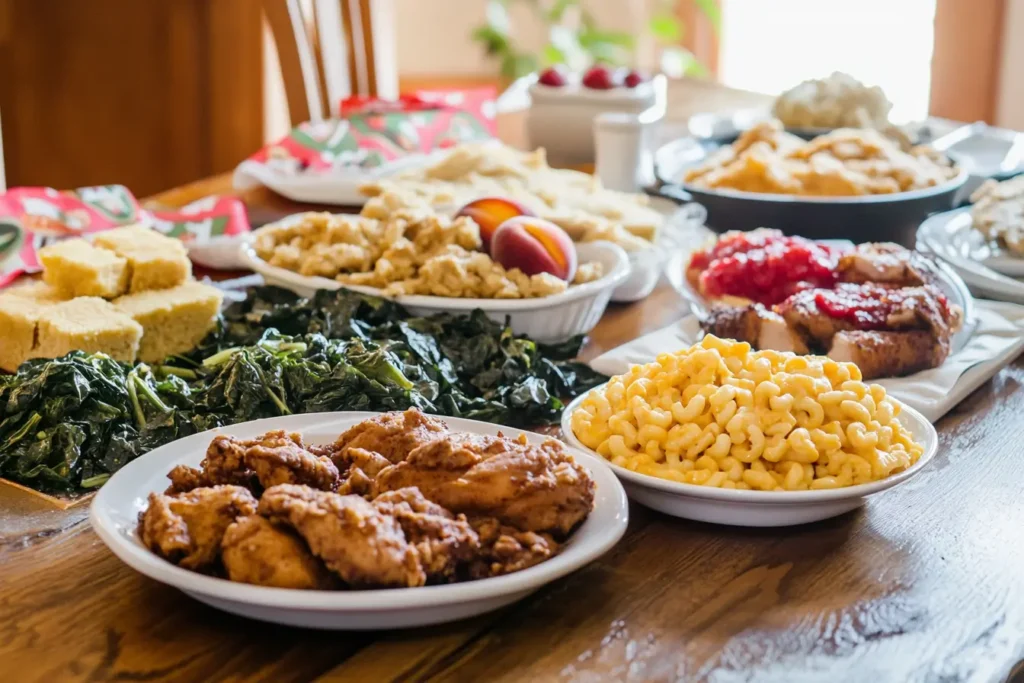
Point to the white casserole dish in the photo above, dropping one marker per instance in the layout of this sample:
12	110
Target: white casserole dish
545	319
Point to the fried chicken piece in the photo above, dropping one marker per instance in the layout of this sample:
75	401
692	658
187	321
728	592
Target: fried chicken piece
890	354
391	435
505	549
223	465
754	324
443	540
277	457
187	528
281	458
257	551
364	546
534	488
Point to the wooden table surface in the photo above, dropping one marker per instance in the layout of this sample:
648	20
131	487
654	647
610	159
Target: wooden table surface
925	583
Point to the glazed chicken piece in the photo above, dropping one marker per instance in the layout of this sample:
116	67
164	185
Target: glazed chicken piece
886	263
505	549
188	528
391	435
364	546
803	316
257	551
276	457
443	541
756	325
889	354
534	488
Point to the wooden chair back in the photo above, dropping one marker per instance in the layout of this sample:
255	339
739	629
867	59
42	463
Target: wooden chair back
3	179
331	49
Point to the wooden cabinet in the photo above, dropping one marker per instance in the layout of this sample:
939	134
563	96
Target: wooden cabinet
148	93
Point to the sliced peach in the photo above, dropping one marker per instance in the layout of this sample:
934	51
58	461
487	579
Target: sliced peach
534	245
490	212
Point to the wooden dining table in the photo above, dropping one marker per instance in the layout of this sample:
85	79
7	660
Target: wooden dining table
923	583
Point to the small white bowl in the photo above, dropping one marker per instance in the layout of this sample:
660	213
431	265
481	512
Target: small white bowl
114	516
561	119
546	319
757	508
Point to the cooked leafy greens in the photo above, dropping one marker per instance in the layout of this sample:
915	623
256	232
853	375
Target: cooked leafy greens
67	424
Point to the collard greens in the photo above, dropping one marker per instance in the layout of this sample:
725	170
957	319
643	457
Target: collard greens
69	423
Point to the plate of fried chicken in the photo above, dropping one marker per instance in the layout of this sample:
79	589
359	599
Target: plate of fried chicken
361	521
891	311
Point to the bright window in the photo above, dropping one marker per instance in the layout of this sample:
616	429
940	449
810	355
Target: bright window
769	46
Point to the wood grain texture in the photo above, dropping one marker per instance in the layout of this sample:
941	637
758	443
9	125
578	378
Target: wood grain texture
923	584
147	93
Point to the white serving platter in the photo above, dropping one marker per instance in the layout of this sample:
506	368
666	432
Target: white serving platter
115	509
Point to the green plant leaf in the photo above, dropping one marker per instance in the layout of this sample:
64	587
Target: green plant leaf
666	28
558	9
552	55
588	37
712	11
494	43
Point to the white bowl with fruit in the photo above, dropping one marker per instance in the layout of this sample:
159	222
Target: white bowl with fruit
531	245
564	104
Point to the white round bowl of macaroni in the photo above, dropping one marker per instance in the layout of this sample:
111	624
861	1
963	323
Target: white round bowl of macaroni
838	480
545	319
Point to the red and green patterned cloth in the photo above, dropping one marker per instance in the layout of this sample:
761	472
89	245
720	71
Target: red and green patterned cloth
371	133
32	217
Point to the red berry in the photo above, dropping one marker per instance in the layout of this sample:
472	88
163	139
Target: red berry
553	76
600	77
633	79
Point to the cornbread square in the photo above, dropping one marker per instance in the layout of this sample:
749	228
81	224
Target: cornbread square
18	319
77	268
36	290
173	320
87	324
156	261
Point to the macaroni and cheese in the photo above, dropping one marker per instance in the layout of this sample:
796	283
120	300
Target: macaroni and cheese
411	250
718	414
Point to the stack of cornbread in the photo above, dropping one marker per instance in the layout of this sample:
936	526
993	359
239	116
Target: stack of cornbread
128	292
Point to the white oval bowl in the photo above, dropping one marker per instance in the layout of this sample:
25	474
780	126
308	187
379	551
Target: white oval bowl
546	319
952	285
115	509
757	508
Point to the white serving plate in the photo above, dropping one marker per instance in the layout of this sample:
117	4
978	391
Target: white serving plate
952	286
952	232
757	508
114	516
546	319
334	188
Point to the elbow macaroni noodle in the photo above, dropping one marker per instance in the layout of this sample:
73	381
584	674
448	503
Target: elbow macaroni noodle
717	414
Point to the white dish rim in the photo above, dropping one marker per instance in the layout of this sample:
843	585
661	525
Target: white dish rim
765	497
141	559
614	277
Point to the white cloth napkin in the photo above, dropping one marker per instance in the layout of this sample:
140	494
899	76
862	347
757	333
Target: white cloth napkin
997	340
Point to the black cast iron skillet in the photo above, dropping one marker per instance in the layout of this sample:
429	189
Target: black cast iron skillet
868	218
